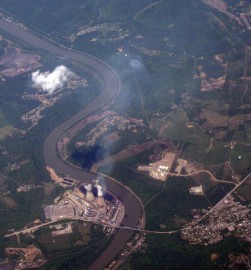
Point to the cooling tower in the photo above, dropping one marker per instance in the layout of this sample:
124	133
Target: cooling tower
100	200
89	194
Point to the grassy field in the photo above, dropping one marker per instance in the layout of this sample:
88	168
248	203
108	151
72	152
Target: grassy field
170	252
240	158
8	202
218	154
173	205
142	185
80	257
3	121
179	128
9	131
244	192
167	42
126	172
51	243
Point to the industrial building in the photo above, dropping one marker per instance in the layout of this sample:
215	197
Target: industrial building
160	169
89	202
198	190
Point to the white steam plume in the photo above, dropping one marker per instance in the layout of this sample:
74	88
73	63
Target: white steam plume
136	63
49	82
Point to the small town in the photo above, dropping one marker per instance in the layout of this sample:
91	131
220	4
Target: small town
125	133
28	187
48	100
109	122
34	115
230	218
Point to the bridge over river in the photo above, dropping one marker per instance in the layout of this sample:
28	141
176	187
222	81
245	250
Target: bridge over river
110	84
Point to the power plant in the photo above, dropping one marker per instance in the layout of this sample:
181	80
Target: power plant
87	201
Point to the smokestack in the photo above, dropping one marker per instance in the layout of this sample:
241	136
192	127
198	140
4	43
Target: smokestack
89	194
100	200
100	191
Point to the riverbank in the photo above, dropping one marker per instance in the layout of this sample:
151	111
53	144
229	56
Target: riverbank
110	84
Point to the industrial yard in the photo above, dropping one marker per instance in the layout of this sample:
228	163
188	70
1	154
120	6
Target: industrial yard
88	202
160	115
159	170
31	256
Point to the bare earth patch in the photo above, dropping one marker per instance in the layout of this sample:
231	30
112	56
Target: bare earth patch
15	62
222	7
216	120
212	84
9	131
8	202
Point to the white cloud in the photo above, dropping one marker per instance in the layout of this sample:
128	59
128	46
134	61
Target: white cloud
50	81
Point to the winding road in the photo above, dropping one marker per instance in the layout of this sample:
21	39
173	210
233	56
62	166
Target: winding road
110	84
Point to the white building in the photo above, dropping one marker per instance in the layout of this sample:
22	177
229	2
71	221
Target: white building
198	190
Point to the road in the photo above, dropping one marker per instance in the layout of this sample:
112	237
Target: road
224	198
72	218
136	229
31	229
110	85
203	171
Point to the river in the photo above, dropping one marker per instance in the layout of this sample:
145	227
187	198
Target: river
110	84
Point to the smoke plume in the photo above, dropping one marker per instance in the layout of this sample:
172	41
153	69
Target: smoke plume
136	64
50	81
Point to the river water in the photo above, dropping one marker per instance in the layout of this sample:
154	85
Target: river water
110	84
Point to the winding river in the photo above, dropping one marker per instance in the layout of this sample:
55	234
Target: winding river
110	84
